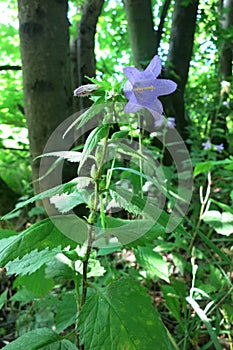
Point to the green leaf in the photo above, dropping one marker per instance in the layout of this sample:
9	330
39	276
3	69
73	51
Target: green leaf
38	236
36	282
23	296
41	338
90	113
67	318
123	199
121	317
71	156
93	138
31	261
67	187
153	263
66	201
206	166
221	222
132	227
129	151
60	271
3	298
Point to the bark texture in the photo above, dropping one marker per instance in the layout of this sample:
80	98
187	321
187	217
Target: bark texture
227	46
44	41
86	62
219	129
142	36
179	57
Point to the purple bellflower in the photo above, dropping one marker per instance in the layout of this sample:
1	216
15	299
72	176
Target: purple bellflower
207	145
171	123
219	148
142	88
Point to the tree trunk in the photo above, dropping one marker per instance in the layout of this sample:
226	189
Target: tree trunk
219	124
8	198
44	41
179	57
86	63
227	46
142	36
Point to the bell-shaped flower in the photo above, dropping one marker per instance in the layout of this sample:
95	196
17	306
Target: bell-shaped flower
142	88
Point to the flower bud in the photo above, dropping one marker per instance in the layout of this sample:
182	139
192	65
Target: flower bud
85	90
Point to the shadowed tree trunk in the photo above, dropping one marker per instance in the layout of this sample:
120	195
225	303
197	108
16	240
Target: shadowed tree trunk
179	57
8	198
226	55
44	41
85	46
142	36
219	124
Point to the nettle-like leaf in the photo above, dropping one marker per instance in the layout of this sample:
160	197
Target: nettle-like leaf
148	207
39	236
36	282
31	261
41	339
221	222
141	232
93	138
124	198
71	156
67	318
63	188
121	317
153	263
66	201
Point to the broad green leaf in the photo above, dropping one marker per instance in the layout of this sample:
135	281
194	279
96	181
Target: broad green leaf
66	312
67	187
206	166
132	229
38	236
66	201
7	233
93	138
36	282
40	339
123	199
128	231
23	296
121	317
153	263
73	227
60	271
147	206
31	262
221	222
